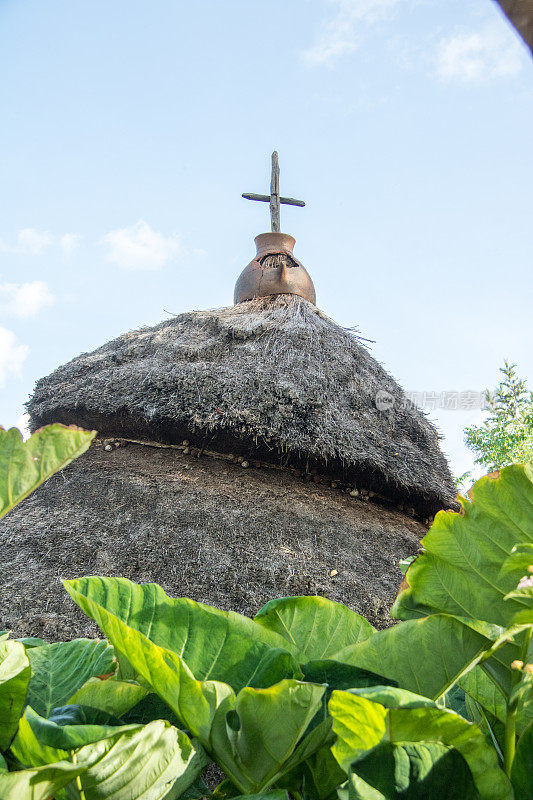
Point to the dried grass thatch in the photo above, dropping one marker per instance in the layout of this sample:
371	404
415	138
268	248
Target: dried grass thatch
201	527
272	379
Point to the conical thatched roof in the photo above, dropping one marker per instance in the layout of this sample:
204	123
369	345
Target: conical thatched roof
272	379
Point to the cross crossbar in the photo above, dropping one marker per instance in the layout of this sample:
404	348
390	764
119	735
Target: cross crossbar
274	197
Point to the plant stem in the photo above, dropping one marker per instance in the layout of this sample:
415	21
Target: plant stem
78	777
512	705
509	742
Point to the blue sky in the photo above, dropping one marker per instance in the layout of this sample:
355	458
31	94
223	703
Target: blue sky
130	129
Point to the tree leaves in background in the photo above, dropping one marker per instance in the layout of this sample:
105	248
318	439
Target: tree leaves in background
60	669
25	465
14	679
315	627
216	645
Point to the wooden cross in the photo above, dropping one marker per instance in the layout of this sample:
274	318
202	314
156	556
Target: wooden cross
273	198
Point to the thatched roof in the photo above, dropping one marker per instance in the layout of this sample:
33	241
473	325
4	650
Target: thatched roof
272	379
203	528
520	13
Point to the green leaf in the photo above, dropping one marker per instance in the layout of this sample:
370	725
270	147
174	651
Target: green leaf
420	771
274	795
317	778
425	656
152	762
194	702
478	685
39	783
216	645
520	559
315	628
361	725
27	748
31	641
113	696
522	769
14	678
72	727
149	708
459	572
60	669
25	465
393	697
341	676
256	740
405	563
122	765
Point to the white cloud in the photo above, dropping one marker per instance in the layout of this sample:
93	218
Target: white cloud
23	424
341	34
24	300
493	51
33	242
141	248
69	242
12	354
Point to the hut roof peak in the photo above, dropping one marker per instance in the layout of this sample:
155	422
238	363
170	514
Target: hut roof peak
274	270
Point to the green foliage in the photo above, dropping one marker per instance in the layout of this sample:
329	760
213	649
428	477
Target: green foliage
14	677
25	465
473	568
305	701
522	771
58	670
365	719
38	783
506	436
314	627
215	645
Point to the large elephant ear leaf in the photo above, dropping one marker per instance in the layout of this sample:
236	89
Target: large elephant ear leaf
425	656
361	725
316	628
419	771
112	696
39	783
14	679
216	645
194	702
460	571
25	465
152	761
60	669
259	737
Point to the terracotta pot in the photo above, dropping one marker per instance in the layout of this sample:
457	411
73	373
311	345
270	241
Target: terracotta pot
274	270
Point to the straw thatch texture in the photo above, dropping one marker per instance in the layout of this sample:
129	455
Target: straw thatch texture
202	528
272	379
